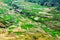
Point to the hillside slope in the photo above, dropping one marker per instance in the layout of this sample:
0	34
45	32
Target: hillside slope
28	21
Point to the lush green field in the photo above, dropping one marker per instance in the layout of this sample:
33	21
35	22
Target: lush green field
29	21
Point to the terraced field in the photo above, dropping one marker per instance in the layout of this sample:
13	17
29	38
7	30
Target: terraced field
28	21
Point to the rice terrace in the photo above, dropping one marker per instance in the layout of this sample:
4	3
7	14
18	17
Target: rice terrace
29	19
